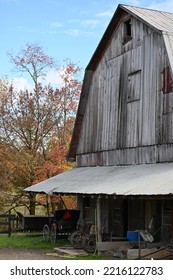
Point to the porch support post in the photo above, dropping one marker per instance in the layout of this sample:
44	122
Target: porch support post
99	230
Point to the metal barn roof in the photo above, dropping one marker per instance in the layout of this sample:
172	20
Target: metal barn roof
162	21
146	179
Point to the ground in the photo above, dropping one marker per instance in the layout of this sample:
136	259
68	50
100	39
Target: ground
26	254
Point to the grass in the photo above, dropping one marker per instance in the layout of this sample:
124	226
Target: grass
35	241
28	241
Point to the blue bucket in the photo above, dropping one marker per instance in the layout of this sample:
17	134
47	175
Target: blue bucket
133	236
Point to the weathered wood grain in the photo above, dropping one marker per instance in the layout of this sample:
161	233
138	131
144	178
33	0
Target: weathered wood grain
127	116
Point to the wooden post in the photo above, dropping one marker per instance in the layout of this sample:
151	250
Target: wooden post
98	219
32	203
9	224
47	204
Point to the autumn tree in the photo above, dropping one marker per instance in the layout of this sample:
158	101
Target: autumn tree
33	61
4	86
37	125
69	94
5	183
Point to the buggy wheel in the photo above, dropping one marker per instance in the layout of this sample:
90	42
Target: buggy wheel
46	233
53	233
76	239
89	243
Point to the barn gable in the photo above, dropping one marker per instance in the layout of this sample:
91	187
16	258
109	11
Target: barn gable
123	107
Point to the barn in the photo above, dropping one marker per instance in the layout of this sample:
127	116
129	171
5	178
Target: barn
123	135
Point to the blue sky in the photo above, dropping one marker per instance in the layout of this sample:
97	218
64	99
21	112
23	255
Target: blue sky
64	28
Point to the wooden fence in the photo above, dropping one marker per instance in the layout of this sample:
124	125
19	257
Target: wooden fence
8	223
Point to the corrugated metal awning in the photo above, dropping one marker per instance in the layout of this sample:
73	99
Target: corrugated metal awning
146	179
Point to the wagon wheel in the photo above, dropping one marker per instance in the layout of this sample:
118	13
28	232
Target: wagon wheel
53	233
76	239
46	233
89	243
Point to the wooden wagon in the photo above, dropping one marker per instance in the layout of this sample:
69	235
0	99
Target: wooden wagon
32	222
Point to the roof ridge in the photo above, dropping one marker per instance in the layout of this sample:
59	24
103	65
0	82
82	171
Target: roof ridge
149	9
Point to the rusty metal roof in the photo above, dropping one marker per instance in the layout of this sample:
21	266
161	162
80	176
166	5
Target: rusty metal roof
145	179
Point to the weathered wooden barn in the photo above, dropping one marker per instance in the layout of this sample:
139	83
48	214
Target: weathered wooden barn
123	134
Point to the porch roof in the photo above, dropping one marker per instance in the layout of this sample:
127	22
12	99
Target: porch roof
146	179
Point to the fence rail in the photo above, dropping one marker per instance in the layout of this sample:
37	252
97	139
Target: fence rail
8	223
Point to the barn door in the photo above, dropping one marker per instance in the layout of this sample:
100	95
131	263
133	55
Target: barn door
133	106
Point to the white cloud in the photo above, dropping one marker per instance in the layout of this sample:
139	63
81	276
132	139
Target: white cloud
56	24
106	14
92	23
53	78
87	23
72	32
136	3
22	84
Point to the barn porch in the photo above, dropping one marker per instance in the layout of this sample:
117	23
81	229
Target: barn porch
119	199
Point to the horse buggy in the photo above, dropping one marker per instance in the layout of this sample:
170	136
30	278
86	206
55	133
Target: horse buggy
62	224
65	225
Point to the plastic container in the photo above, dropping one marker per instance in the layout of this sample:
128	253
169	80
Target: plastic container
133	236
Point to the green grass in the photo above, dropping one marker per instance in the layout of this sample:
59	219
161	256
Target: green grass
35	241
28	241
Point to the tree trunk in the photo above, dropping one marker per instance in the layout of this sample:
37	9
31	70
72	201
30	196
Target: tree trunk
32	199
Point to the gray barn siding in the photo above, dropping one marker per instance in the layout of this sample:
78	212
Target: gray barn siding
127	115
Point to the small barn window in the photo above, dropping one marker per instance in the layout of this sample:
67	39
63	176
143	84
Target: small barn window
127	30
134	86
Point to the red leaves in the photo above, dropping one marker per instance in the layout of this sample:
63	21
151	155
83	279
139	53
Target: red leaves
55	162
32	60
22	60
38	125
